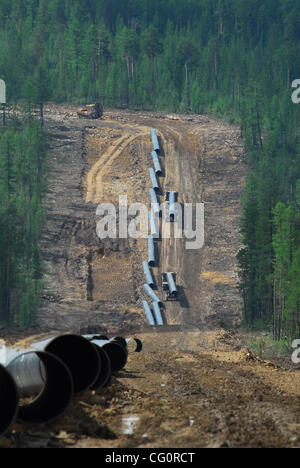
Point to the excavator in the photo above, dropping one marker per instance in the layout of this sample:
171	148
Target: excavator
91	111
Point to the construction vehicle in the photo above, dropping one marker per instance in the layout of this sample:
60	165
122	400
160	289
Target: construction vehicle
91	111
169	286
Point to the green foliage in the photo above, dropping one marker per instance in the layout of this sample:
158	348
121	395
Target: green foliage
22	173
232	57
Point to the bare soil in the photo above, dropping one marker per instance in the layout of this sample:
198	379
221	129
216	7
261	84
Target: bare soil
195	384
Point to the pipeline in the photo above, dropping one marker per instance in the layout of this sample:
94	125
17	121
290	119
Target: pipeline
9	400
138	344
157	313
152	294
151	251
156	163
153	221
154	203
153	178
123	342
148	274
117	354
172	285
155	142
79	355
148	313
43	378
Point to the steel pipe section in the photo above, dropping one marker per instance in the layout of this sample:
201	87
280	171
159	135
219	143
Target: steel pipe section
157	313
105	371
155	207
148	313
148	274
172	285
9	400
155	142
156	163
153	179
152	294
117	354
154	228
138	344
151	251
43	378
79	355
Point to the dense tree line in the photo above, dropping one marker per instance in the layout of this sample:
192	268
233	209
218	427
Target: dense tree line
22	173
236	58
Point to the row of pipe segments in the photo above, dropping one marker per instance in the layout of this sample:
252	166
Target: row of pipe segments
37	384
153	314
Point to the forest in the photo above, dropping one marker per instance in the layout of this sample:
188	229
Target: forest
236	59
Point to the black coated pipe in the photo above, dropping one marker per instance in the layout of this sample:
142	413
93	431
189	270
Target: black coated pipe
105	372
45	379
79	355
9	400
117	354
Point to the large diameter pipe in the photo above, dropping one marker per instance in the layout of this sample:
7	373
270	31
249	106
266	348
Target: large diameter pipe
172	285
157	313
43	378
152	294
148	274
155	142
157	166
153	179
9	400
155	207
148	313
79	355
138	344
154	228
105	371
151	251
117	354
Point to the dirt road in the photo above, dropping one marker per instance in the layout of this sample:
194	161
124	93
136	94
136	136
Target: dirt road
194	384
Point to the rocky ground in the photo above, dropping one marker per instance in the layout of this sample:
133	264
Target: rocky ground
195	384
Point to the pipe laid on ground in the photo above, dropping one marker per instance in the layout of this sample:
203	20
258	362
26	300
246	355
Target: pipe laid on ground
148	313
117	354
124	342
43	378
105	371
152	294
148	274
172	285
9	400
153	179
157	313
154	228
138	342
155	207
151	251
155	142
79	355
156	163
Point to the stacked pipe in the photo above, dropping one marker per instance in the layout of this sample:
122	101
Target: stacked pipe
37	384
